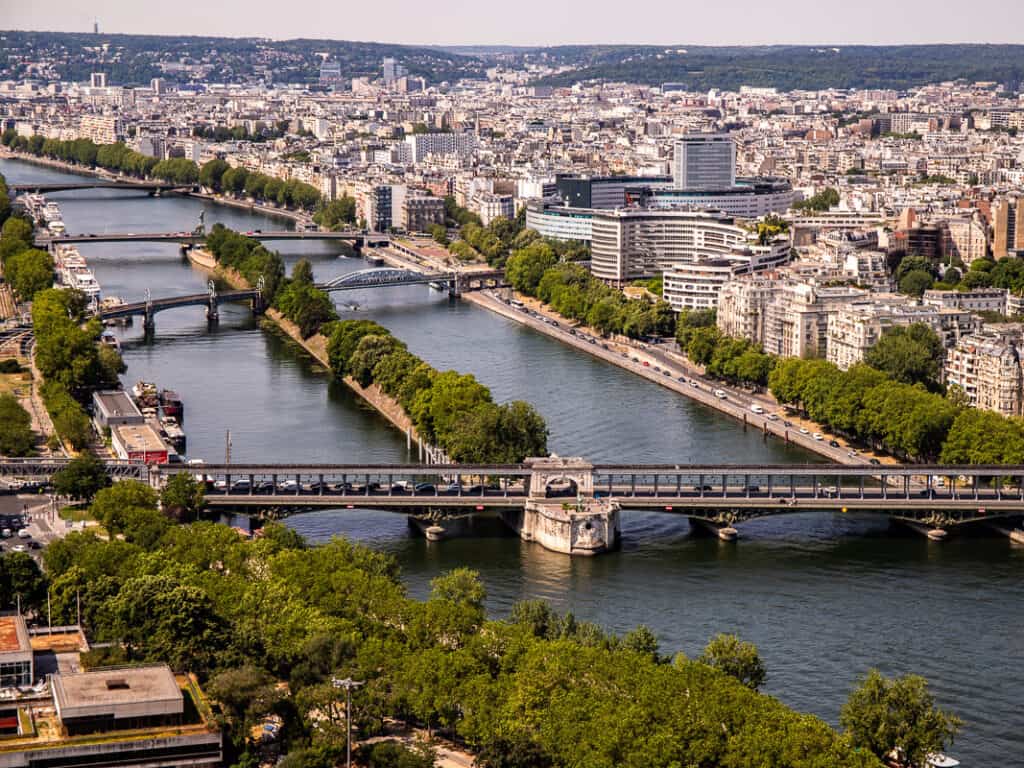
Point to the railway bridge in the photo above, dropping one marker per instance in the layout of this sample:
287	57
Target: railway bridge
455	283
570	505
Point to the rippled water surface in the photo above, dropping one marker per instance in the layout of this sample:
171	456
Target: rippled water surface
825	597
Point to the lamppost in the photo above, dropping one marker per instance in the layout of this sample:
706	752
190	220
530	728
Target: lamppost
348	684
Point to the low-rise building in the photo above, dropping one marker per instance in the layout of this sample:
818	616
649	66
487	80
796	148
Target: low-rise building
976	299
16	668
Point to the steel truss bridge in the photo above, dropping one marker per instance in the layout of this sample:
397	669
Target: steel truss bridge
944	495
374	277
148	187
198	238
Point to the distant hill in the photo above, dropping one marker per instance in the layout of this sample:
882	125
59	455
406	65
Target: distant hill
135	59
790	67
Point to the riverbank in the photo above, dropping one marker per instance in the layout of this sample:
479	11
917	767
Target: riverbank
297	217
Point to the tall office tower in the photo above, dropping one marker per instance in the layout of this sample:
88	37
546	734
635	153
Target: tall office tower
704	161
1008	226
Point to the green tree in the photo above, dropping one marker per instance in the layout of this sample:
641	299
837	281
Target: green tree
736	658
82	478
29	272
212	173
883	715
183	497
21	579
916	282
911	354
16	437
527	266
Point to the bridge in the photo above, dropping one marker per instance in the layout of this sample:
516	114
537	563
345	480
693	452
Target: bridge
375	277
569	505
149	187
43	240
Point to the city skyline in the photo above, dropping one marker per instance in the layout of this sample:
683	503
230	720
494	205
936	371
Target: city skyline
790	22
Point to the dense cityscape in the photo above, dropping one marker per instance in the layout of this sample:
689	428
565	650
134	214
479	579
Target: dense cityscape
567	406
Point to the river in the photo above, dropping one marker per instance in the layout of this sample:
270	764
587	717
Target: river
825	597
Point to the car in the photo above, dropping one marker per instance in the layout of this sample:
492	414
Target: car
876	462
818	436
24	534
646	364
702	487
757	408
657	369
681	379
241	486
773	417
694	383
604	346
18	548
592	341
804	431
425	488
319	486
753	489
787	423
635	359
34	545
572	331
720	394
287	486
667	373
264	486
401	486
834	443
453	488
6	533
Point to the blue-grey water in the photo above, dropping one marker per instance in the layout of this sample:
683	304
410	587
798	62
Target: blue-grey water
825	597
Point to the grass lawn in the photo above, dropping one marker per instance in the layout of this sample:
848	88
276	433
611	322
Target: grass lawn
75	513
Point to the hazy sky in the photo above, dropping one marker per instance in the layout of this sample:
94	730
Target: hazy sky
542	22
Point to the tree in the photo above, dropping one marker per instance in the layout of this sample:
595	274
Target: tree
369	352
392	754
246	694
525	267
914	263
916	282
212	173
183	497
111	503
16	438
911	354
21	579
736	658
302	272
883	715
81	478
29	272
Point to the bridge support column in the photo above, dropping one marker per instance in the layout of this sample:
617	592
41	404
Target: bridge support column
148	324
582	526
212	313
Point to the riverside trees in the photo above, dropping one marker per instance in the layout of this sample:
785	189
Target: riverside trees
538	689
448	409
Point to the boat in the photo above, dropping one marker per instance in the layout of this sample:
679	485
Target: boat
144	393
1017	535
939	760
728	533
937	534
171	404
173	432
110	340
73	272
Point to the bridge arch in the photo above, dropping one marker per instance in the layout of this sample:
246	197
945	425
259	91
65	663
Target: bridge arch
375	277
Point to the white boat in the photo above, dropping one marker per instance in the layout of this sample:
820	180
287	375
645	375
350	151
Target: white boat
939	760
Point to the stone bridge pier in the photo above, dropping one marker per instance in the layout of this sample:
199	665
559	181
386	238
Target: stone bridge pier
561	512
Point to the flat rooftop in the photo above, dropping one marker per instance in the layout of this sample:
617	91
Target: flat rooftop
116	404
14	635
139	437
152	688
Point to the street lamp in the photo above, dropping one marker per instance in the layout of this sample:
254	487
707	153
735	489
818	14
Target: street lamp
348	684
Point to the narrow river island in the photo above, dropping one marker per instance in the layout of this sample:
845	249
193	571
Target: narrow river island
825	597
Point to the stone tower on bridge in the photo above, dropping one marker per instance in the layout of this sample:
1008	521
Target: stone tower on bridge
561	511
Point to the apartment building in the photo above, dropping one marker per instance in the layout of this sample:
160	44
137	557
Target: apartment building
977	300
856	327
1008	227
797	317
102	129
422	145
490	206
987	367
420	212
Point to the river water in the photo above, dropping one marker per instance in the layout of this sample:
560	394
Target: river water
825	597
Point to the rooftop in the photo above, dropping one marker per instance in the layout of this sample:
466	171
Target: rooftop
117	687
14	635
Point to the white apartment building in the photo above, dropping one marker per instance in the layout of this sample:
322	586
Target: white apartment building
987	367
968	238
102	129
978	299
857	327
490	206
422	145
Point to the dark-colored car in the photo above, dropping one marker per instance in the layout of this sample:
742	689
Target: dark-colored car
702	487
834	443
876	462
425	488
